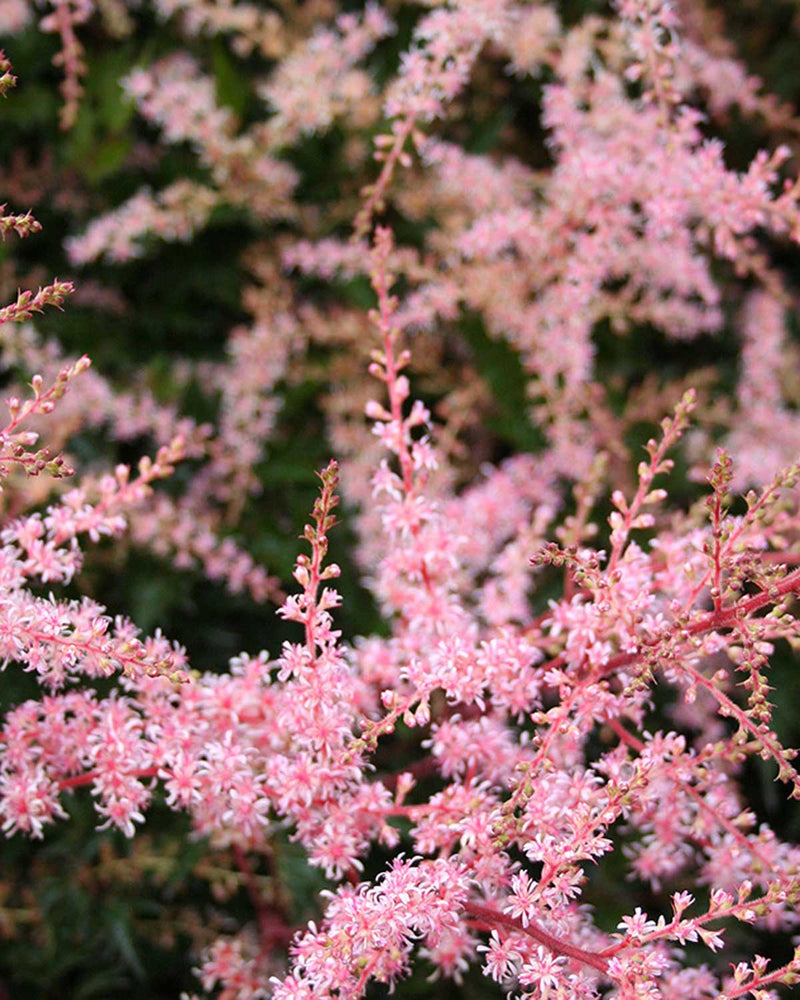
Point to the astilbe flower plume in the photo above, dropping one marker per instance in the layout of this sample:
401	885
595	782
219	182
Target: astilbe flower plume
633	616
553	689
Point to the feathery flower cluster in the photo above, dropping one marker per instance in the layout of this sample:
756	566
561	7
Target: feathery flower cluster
567	684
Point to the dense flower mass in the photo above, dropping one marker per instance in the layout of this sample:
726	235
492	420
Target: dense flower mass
570	693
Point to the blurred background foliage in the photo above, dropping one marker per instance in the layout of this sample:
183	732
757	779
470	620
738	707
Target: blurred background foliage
90	915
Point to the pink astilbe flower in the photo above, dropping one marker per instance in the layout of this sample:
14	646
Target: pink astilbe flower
28	303
22	225
62	20
367	936
174	214
769	437
185	529
177	97
552	690
15	443
250	26
15	16
432	72
238	966
319	82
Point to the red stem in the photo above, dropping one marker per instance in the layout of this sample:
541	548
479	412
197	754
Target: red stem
491	918
636	744
86	779
713	620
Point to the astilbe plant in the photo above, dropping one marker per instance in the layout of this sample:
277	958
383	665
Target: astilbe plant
565	690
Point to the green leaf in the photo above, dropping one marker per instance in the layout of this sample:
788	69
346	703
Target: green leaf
499	364
120	934
231	86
